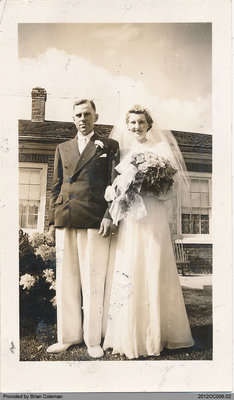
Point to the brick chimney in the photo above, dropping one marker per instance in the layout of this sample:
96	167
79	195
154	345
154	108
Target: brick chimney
39	97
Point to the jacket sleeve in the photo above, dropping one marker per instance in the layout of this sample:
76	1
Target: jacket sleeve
56	185
113	161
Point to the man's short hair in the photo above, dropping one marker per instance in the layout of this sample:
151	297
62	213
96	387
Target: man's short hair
82	101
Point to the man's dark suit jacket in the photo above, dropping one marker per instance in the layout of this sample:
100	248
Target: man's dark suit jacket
80	181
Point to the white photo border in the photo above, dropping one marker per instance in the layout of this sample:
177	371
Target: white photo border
106	376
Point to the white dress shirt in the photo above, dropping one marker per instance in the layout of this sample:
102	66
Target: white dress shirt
82	140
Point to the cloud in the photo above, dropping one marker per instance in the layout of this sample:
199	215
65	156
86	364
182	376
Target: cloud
117	33
193	116
66	76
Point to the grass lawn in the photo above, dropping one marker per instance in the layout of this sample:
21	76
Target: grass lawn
35	339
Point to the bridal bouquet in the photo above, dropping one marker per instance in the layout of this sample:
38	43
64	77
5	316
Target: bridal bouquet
142	173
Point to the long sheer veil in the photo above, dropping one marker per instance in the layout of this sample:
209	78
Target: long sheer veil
158	138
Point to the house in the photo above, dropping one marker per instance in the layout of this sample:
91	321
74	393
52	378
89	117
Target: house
37	141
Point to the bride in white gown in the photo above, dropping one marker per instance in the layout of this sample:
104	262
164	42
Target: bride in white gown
145	306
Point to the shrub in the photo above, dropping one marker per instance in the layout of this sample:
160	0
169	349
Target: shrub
37	277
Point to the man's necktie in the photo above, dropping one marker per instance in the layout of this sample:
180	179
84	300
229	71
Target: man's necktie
82	143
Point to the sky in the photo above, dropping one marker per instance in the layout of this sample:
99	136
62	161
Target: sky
163	66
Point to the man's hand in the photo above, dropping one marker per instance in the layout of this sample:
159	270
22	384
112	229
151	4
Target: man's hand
51	233
106	227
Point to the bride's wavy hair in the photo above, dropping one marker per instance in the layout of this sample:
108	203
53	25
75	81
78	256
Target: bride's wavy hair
137	109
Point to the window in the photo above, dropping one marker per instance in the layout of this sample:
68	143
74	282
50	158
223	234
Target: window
196	206
32	191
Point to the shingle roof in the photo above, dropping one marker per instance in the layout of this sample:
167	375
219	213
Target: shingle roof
59	131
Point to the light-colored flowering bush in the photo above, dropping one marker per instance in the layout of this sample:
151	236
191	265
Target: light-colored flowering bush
46	252
27	281
54	301
37	239
43	246
37	278
49	276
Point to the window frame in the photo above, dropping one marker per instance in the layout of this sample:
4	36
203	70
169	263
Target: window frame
199	238
43	167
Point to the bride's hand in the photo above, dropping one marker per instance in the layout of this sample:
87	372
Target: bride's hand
114	229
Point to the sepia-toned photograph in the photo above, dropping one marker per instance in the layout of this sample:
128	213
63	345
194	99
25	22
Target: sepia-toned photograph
116	223
115	187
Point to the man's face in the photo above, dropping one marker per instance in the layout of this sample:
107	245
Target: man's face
84	118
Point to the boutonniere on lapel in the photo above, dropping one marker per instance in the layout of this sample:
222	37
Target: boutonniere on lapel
99	144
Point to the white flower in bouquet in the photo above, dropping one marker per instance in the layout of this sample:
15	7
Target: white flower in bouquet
143	166
140	158
161	162
27	281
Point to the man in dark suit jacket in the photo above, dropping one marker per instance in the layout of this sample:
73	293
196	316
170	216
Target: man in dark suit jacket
83	168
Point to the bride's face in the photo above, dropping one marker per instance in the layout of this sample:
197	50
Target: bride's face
138	126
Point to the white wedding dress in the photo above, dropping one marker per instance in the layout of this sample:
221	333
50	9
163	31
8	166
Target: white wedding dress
145	309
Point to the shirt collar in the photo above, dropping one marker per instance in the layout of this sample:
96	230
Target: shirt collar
88	137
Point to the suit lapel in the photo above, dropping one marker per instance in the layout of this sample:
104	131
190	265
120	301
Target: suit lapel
73	151
87	154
